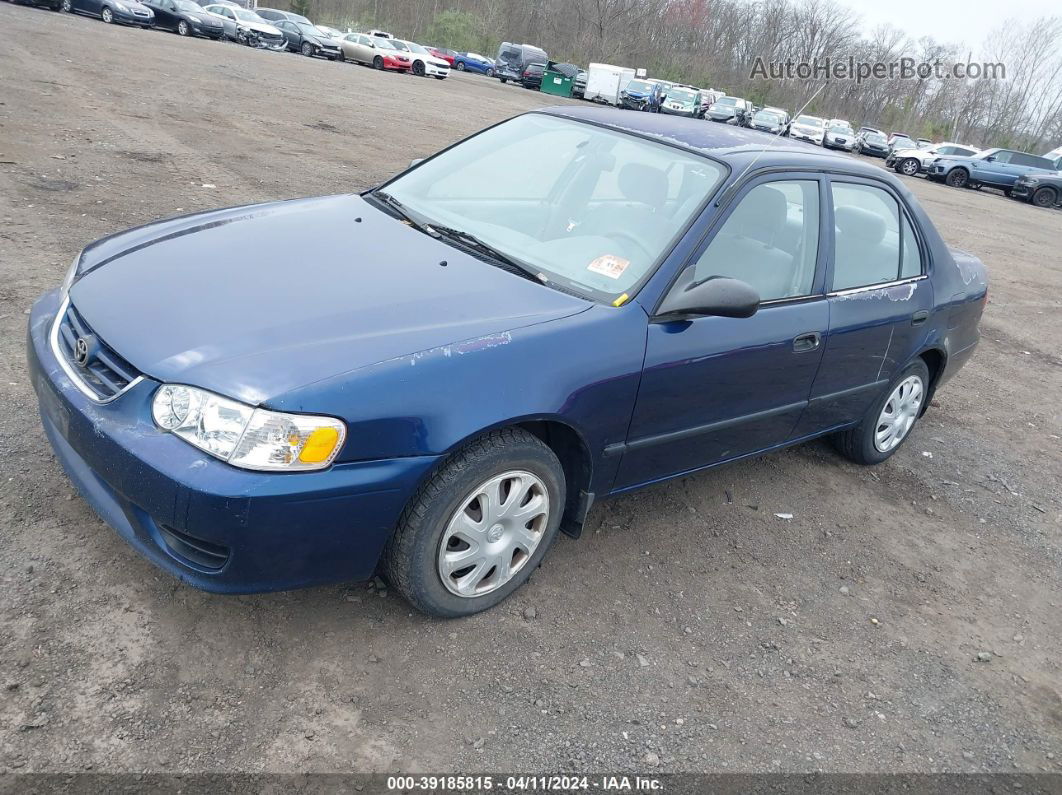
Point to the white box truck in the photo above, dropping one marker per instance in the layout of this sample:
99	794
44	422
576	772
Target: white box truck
604	82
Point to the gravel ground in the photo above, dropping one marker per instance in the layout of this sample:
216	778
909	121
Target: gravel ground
905	619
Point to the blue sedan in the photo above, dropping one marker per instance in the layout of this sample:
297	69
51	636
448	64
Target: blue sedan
130	12
472	62
459	366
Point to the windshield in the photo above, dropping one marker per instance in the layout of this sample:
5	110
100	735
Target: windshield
639	86
307	30
811	121
418	49
769	117
727	101
594	210
903	140
247	16
842	129
681	95
875	138
394	44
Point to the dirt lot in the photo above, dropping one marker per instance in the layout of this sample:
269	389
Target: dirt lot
682	632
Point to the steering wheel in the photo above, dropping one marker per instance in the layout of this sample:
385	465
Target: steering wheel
621	236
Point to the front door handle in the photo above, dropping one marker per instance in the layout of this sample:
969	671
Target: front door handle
807	342
920	317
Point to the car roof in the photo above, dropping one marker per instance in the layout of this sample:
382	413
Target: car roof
737	146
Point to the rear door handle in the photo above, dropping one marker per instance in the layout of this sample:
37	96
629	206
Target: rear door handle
920	317
807	342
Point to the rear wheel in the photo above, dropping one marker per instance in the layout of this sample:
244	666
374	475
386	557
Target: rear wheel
107	15
957	178
476	530
183	29
1044	197
908	166
889	421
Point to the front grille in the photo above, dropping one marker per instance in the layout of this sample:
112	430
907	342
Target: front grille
104	372
204	554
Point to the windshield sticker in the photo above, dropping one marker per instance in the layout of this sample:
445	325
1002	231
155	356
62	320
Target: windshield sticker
609	265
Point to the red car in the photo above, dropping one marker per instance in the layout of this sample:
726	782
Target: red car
446	55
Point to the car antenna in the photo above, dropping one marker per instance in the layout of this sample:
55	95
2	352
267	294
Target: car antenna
736	182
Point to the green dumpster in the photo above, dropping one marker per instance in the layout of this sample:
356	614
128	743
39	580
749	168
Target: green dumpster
556	82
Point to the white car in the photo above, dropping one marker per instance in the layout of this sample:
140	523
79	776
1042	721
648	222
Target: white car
424	63
914	161
808	128
246	26
839	135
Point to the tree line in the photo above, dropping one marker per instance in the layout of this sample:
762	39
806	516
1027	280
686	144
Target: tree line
715	43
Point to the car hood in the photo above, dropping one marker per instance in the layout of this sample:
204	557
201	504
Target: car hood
259	27
253	302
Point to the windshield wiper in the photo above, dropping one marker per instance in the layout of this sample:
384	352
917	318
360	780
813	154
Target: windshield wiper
399	209
469	240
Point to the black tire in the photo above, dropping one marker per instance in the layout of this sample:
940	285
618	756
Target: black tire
504	80
489	73
857	444
908	166
107	15
958	178
183	29
1006	192
1044	197
307	49
342	57
377	62
418	68
410	558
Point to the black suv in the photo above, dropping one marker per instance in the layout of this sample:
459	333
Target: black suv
1043	190
532	76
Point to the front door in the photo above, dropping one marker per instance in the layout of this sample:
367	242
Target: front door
880	302
716	388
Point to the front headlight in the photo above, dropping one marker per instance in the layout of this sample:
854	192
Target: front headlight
245	436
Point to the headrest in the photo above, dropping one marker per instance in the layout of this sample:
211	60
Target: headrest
641	183
857	224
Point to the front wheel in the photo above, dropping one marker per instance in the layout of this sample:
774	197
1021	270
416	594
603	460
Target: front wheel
504	80
418	68
1044	197
107	16
476	530
377	62
908	166
67	6
489	73
307	49
342	57
957	178
183	29
889	421
460	66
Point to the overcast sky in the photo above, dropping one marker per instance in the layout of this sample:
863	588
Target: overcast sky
956	21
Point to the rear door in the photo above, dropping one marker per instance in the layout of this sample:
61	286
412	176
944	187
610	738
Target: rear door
717	388
879	301
994	171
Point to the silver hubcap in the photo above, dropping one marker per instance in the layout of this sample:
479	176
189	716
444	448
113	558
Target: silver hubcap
910	167
106	15
494	533
899	414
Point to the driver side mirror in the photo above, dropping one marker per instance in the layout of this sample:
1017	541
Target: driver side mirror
990	159
415	161
716	296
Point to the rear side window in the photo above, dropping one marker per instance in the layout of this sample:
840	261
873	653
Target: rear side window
866	236
770	240
1021	159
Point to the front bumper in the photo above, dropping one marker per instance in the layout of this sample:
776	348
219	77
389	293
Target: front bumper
130	18
214	526
688	112
434	70
393	63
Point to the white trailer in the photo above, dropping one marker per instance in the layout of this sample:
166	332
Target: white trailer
604	82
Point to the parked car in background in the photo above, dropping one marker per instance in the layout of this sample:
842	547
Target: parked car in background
923	143
445	54
307	39
898	140
246	27
1043	190
916	161
995	168
185	18
473	62
682	101
532	76
1055	156
126	12
579	84
840	135
808	128
513	59
422	62
332	33
642	95
266	442
771	120
276	15
731	110
380	34
872	143
384	54
865	129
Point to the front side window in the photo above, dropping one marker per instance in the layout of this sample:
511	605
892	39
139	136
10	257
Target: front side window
868	225
1001	157
770	240
594	209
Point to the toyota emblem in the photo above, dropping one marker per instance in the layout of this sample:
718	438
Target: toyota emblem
81	352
